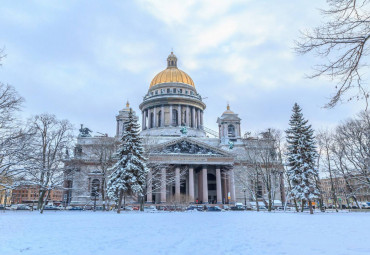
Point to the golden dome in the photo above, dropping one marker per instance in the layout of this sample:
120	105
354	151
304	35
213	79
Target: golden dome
172	74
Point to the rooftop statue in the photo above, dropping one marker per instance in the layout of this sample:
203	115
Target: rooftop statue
84	132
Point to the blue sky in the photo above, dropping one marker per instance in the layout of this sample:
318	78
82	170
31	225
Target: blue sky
81	60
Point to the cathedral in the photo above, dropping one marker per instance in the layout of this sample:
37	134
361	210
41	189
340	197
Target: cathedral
188	162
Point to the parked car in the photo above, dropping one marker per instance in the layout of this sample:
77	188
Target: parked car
150	209
192	208
238	207
50	207
127	208
23	207
213	209
76	208
226	207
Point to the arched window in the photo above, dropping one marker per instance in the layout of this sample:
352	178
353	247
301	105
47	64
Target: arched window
159	118
231	130
151	120
174	118
95	187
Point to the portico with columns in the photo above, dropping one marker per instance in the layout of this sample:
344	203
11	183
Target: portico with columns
190	172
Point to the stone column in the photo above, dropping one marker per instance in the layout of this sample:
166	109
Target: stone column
191	184
198	119
162	116
201	118
170	115
188	116
163	185
218	185
149	119
155	117
149	187
177	184
232	186
179	115
205	185
193	117
142	121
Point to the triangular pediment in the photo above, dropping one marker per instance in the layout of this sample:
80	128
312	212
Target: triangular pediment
189	146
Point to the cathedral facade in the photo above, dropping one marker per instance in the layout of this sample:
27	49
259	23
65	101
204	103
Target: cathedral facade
188	162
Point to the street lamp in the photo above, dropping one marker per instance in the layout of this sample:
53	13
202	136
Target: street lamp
245	197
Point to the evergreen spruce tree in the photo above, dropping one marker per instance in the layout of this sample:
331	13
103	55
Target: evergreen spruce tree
301	157
128	175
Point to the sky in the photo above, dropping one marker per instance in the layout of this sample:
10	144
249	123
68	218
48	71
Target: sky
82	60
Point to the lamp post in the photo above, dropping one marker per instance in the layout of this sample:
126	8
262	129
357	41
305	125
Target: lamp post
245	197
95	194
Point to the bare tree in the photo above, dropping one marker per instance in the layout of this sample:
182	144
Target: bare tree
342	42
45	162
263	167
13	138
325	143
102	151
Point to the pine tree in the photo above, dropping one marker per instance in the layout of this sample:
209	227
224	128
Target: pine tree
128	175
301	157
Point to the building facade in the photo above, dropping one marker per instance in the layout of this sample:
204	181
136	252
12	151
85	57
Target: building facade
188	162
28	194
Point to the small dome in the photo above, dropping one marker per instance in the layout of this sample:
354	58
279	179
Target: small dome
172	74
228	111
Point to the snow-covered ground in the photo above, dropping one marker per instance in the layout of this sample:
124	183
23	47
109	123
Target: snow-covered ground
183	233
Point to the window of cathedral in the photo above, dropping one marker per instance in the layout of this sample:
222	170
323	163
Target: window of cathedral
174	90
231	130
192	93
174	118
168	91
95	187
162	91
151	120
152	93
159	118
156	92
180	91
186	92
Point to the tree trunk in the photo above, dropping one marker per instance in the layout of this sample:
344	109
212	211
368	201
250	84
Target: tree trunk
295	204
5	198
142	203
120	201
41	199
44	202
302	205
310	205
270	201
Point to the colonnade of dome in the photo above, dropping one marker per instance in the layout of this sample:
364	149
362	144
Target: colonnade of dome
172	101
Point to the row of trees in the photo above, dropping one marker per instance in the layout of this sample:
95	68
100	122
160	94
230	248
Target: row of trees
344	158
341	156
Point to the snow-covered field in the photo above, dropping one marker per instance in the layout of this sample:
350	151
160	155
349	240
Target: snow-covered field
96	233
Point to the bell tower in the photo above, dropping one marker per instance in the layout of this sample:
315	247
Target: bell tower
122	118
229	126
